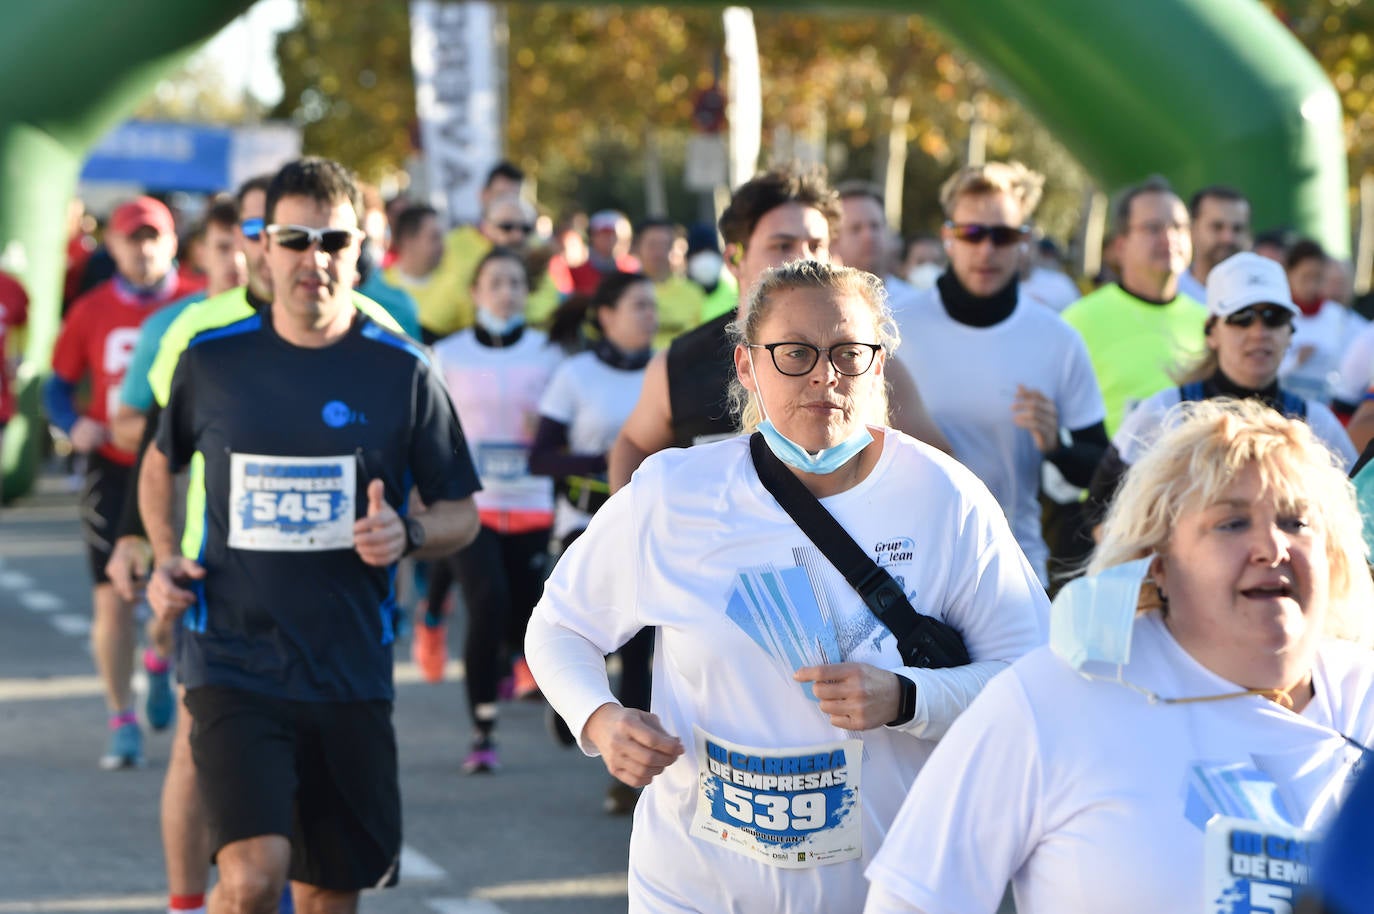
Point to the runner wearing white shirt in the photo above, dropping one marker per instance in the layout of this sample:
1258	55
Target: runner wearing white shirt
580	414
1176	757
496	370
761	797
1321	332
1007	381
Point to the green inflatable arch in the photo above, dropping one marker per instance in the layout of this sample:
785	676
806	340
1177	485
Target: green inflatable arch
1200	91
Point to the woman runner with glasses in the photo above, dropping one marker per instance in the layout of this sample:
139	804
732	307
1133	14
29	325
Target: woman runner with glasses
1187	736
1248	330
785	725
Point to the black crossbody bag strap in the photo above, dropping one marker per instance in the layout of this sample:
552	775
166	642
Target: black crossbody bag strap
922	641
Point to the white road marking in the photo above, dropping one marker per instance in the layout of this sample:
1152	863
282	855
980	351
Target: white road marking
462	906
40	601
15	580
50	687
87	903
71	624
607	885
416	867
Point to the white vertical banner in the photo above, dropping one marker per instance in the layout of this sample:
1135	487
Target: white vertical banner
745	93
453	54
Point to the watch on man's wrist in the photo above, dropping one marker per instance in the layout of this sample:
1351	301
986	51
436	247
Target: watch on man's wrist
415	535
906	702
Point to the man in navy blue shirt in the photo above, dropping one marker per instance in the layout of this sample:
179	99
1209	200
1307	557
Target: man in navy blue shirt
315	426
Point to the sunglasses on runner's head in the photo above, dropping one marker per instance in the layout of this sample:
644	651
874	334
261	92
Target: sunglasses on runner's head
252	228
300	238
1273	316
974	233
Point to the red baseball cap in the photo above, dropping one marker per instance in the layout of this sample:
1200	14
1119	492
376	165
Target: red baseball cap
144	212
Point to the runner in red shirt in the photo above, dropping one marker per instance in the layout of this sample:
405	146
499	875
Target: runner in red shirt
96	341
14	312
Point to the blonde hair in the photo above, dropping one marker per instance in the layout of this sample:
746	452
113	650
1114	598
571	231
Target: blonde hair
1010	178
842	283
1206	446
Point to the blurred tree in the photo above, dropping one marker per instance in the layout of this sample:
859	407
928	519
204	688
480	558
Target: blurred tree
1340	35
196	92
345	71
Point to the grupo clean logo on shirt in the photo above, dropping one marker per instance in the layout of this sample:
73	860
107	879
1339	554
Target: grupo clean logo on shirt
895	551
337	414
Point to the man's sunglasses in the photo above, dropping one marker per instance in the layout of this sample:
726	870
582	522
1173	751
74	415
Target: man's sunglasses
252	228
1273	317
522	227
300	238
974	233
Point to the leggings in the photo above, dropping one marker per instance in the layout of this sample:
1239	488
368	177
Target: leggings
636	659
501	576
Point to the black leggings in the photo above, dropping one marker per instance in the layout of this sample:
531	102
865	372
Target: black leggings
501	576
636	659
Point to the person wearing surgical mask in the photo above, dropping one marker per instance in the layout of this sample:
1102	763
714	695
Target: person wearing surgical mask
785	726
1205	703
497	371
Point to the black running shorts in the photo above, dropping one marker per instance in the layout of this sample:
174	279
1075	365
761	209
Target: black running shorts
102	501
321	774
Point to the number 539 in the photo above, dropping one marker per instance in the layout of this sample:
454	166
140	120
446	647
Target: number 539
800	812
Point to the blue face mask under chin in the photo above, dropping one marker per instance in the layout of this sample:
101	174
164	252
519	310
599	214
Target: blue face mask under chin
821	463
497	326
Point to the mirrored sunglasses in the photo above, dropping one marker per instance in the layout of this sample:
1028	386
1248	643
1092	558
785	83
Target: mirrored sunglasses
974	233
1273	317
300	238
252	228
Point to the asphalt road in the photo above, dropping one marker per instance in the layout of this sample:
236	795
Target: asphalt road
530	839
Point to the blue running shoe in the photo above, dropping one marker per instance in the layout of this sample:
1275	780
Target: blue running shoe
125	749
160	706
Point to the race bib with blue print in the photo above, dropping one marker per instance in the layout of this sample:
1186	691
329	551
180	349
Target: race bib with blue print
291	504
793	807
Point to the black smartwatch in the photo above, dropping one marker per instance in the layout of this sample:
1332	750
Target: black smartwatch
906	704
415	535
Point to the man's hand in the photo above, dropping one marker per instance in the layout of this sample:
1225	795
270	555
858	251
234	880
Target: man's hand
167	593
380	537
1036	413
87	435
857	696
128	566
632	743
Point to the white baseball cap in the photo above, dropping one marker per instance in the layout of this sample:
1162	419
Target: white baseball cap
1246	279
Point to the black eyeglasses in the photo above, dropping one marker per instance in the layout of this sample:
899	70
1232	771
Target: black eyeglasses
974	233
797	359
522	227
252	228
1273	317
300	238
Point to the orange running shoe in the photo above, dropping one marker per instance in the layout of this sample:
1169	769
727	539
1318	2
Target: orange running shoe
526	689
429	649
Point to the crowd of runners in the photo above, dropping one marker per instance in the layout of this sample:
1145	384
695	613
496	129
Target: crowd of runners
315	426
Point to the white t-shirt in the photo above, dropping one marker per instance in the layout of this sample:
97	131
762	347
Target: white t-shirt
1189	285
1144	424
496	393
1328	332
1356	373
1085	795
593	400
1050	288
968	378
684	547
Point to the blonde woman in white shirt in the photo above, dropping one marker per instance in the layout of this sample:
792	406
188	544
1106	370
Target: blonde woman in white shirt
1179	751
760	796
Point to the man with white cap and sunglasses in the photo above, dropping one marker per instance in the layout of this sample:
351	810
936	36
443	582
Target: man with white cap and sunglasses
1249	326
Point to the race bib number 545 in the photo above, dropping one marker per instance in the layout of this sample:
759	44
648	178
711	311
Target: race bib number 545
794	807
291	504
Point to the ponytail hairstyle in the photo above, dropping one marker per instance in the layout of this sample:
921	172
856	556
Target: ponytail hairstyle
576	319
